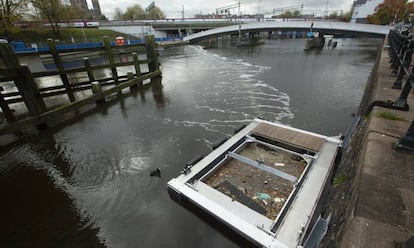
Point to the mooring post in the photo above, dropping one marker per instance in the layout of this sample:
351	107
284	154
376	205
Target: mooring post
152	54
406	143
28	88
24	81
111	58
130	77
61	69
96	89
137	67
87	64
8	113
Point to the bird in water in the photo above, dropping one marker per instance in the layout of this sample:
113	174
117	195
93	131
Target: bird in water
156	173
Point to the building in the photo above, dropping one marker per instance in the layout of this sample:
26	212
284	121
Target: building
363	8
81	4
96	11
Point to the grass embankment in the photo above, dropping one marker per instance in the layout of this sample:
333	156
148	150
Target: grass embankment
78	35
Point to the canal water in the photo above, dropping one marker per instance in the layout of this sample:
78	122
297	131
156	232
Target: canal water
85	183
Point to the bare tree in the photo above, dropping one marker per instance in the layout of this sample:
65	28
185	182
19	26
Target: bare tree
9	13
53	11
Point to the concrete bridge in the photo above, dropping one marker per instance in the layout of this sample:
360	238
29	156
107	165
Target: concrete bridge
363	30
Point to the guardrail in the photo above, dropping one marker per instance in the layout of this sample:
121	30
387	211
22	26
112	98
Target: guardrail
28	91
401	51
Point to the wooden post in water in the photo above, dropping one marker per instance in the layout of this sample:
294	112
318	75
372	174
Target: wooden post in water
96	89
60	68
8	113
28	88
110	58
88	69
24	81
152	55
130	76
137	67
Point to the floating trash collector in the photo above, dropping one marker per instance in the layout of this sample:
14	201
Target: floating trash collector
266	183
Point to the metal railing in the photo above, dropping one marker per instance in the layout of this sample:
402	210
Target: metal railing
401	51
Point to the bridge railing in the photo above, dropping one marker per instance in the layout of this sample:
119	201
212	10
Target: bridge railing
68	72
401	48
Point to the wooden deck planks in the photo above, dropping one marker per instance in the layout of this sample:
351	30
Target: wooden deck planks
290	137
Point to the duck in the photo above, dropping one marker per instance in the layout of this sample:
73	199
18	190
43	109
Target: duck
156	173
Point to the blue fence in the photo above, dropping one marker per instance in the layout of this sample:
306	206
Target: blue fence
19	46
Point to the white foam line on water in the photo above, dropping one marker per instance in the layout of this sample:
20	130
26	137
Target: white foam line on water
210	109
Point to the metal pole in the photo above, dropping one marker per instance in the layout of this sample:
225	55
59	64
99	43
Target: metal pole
401	102
406	143
84	35
406	63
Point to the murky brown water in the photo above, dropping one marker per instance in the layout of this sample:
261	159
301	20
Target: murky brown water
86	183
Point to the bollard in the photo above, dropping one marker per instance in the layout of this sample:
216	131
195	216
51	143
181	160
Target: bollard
406	143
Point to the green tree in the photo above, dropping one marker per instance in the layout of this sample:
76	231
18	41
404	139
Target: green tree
103	17
74	12
10	11
346	17
287	14
155	13
134	12
334	15
391	10
296	13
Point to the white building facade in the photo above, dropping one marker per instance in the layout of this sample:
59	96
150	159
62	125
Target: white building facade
364	8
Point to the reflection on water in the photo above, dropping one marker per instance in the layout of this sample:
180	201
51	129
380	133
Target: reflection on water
85	183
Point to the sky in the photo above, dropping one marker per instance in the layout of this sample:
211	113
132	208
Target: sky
173	8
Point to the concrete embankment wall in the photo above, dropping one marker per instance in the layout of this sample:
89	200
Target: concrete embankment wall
372	199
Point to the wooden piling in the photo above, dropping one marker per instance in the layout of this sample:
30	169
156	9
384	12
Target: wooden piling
61	69
130	76
152	55
8	113
24	81
30	94
29	91
137	67
88	68
97	89
111	58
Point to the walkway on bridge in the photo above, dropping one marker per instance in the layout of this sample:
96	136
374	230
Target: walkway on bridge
365	30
